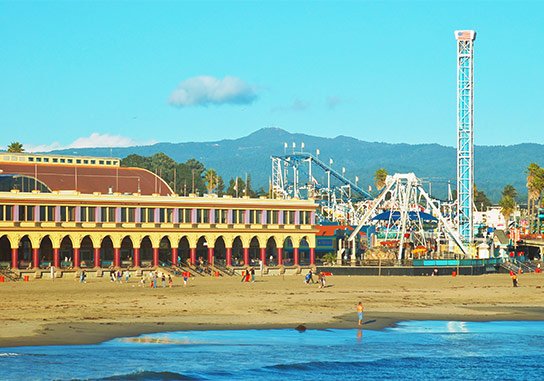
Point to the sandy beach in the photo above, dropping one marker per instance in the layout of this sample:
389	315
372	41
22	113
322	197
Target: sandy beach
64	311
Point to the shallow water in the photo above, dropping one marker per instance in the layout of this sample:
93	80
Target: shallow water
412	350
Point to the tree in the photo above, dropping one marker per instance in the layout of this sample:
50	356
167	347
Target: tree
15	147
508	205
220	186
481	200
535	186
379	178
210	177
510	191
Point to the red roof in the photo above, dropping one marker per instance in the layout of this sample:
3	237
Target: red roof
91	178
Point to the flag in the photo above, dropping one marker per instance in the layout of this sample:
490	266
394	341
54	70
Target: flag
330	161
302	146
317	152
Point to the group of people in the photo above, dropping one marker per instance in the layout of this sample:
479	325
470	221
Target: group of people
248	275
309	278
117	276
155	276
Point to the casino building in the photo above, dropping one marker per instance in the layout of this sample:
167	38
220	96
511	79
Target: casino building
89	212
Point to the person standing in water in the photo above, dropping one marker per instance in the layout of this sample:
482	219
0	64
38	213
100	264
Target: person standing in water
360	310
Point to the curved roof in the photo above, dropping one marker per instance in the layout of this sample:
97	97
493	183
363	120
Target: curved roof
89	179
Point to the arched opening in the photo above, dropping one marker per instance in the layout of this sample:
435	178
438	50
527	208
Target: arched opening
5	252
237	252
254	251
220	252
86	252
165	252
66	253
46	252
271	252
25	252
126	252
184	251
202	251
304	252
288	252
106	252
146	252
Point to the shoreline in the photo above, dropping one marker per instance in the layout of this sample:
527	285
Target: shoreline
66	312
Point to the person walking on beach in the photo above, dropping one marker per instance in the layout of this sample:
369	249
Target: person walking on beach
155	276
163	279
252	275
53	273
360	310
127	276
514	279
170	281
82	276
185	278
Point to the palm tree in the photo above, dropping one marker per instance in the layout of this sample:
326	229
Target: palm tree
211	180
15	147
379	178
535	185
510	191
508	205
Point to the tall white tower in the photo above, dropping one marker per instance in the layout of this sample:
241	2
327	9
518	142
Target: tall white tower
465	132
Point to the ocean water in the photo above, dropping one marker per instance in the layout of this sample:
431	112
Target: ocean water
415	350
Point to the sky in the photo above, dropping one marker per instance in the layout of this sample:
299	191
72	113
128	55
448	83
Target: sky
79	74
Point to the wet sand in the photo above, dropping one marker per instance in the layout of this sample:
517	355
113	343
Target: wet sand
64	311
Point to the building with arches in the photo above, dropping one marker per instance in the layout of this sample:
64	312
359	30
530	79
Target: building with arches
72	228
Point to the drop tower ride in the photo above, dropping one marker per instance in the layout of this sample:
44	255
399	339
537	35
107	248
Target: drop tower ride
465	133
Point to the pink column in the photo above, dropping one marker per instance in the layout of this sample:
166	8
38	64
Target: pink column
280	256
15	258
263	256
295	255
155	257
77	259
174	256
246	256
229	256
56	258
136	257
96	255
36	258
210	255
116	257
312	256
193	255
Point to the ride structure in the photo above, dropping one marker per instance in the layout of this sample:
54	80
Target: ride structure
303	175
465	133
406	215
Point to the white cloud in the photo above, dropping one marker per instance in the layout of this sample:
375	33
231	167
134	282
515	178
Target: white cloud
207	90
91	141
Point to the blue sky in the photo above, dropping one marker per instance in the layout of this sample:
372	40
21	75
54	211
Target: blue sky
119	73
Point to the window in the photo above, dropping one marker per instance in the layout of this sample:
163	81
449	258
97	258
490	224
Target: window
108	162
26	213
67	213
221	216
62	160
47	213
6	213
30	159
55	160
85	161
148	215
203	216
101	162
166	215
46	160
93	161
252	216
39	159
108	214
185	216
88	214
128	214
70	161
78	161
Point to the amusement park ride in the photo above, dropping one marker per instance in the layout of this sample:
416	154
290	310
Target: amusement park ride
403	212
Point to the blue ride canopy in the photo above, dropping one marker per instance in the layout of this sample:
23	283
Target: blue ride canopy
412	215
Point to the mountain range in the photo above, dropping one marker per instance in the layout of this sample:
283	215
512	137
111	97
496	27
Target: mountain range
495	166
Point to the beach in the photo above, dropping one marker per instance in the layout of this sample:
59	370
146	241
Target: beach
64	311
